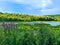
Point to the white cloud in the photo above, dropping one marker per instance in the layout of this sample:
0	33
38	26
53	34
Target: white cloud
50	11
53	9
35	3
45	3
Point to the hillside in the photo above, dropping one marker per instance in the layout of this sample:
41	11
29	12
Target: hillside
26	17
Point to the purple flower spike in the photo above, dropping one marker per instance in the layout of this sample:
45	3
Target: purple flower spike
9	26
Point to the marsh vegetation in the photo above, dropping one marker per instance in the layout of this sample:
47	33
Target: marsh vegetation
28	34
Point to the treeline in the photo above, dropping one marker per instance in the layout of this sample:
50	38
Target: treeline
26	17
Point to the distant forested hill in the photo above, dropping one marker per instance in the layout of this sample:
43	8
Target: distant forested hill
26	17
57	17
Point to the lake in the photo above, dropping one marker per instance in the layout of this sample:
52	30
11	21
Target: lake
51	23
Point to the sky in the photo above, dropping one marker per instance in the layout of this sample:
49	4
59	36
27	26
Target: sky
33	7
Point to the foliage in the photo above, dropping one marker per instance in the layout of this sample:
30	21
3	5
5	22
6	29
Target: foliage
29	34
26	17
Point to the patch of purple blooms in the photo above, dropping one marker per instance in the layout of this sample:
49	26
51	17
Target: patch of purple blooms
11	25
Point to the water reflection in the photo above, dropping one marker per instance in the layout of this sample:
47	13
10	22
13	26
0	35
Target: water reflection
51	23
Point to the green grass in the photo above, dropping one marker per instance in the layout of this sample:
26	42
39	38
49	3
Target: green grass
26	34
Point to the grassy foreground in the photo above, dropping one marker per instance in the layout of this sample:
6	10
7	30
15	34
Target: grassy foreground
27	34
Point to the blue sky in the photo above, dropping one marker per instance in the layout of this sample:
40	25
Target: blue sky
34	7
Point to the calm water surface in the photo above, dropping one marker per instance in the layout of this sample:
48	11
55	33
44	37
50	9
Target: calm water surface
51	23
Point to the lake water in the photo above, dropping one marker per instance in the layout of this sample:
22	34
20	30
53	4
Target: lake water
51	23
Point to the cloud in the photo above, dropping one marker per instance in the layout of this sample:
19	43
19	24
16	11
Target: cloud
30	6
51	11
46	3
35	3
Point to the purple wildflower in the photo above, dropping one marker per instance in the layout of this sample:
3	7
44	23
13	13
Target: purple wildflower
9	26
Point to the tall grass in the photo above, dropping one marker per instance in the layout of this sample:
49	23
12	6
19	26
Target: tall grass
36	35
